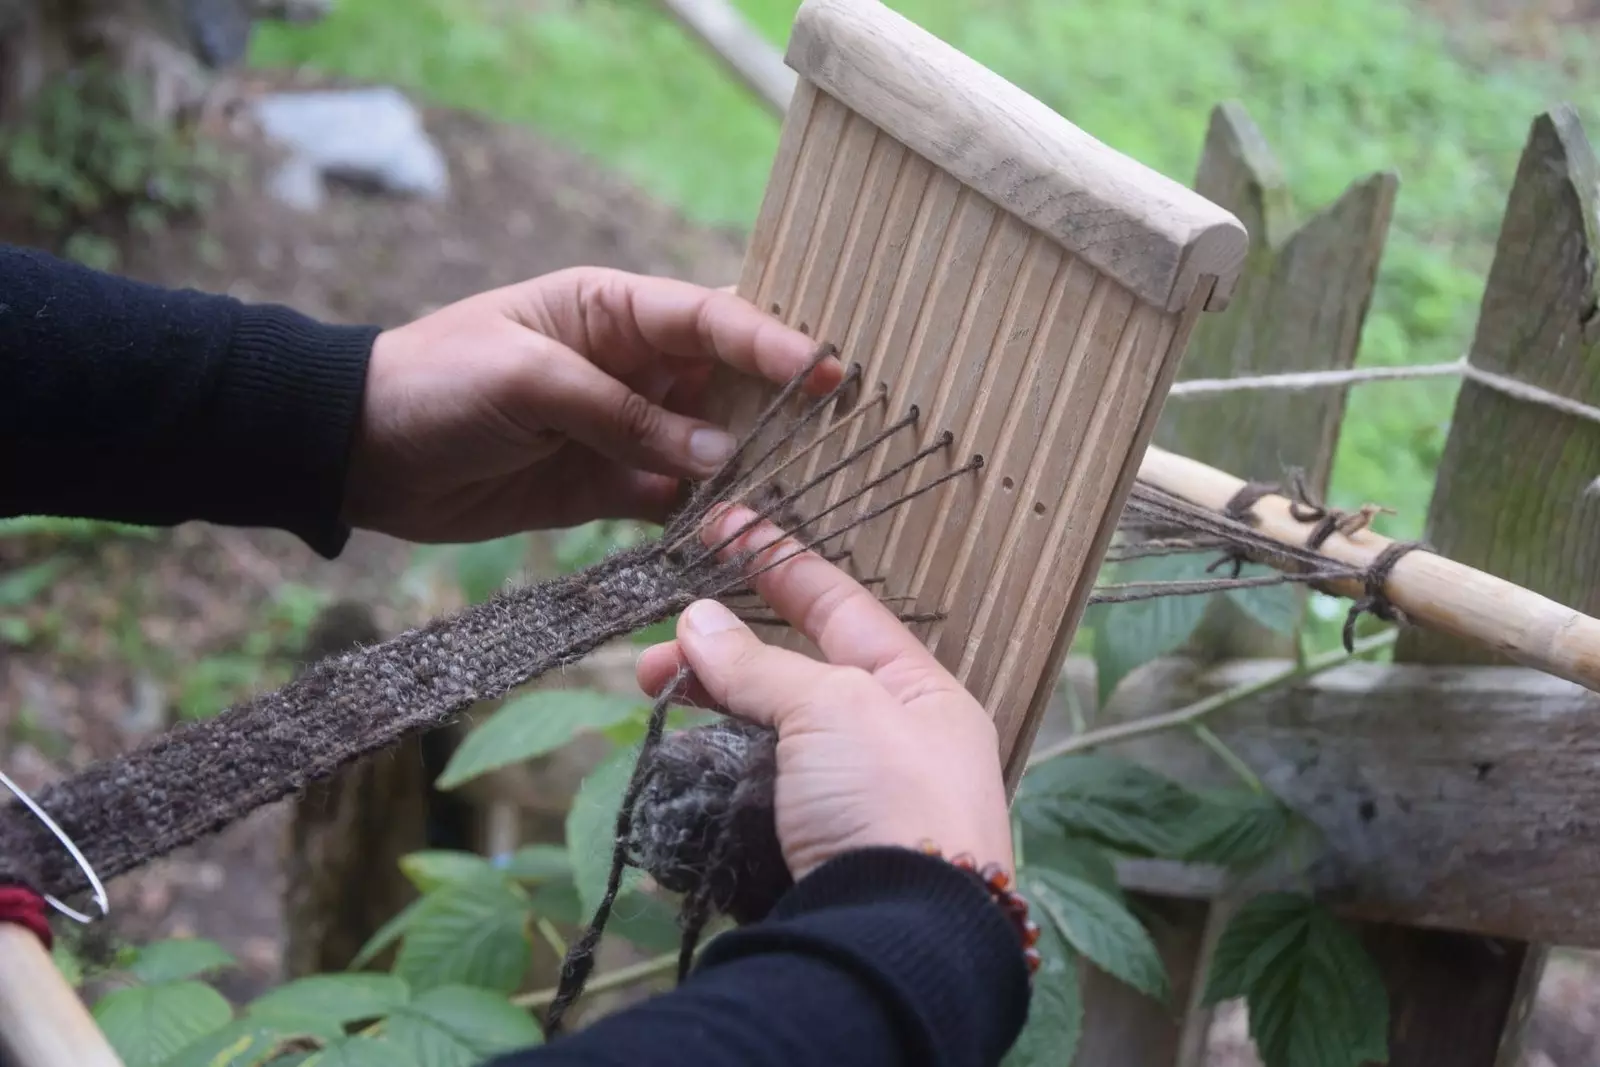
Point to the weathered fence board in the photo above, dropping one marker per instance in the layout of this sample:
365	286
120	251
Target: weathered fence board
1299	306
1512	499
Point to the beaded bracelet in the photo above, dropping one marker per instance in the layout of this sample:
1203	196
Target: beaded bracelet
998	883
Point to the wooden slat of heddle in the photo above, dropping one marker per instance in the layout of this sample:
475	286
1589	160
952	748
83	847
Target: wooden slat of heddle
1026	288
1514	497
1299	305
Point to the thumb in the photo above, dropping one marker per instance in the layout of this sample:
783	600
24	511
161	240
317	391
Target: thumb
745	676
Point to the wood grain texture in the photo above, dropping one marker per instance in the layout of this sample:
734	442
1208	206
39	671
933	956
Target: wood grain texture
43	1023
1030	356
1456	798
1299	305
1513	498
1158	239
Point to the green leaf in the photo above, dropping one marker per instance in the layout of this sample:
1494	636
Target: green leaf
1055	1016
336	999
1113	802
387	934
484	568
533	725
430	869
168	961
242	1043
1236	828
1127	636
1315	998
592	826
643	919
468	933
1277	607
21	587
458	1026
1101	928
535	864
1046	848
362	1050
148	1024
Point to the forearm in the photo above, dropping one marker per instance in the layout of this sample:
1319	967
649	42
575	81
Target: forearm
880	958
134	403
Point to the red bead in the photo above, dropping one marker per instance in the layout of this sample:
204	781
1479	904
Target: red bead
1032	958
1030	933
1014	905
965	862
995	878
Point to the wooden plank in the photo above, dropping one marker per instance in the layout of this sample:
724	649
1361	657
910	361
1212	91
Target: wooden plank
1299	305
751	58
1445	797
1148	232
1513	498
1038	321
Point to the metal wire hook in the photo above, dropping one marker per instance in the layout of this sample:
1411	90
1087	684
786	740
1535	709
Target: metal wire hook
83	863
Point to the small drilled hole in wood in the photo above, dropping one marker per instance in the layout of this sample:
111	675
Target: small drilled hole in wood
805	329
1007	484
1038	509
777	309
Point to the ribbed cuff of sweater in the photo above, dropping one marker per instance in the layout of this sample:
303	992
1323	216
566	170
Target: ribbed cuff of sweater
288	405
943	956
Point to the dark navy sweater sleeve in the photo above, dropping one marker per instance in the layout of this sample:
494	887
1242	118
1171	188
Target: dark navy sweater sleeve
883	957
134	403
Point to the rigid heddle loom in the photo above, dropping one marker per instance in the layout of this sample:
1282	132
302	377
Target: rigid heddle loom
1011	299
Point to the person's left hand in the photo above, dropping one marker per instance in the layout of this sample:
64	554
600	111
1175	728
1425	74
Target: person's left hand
572	397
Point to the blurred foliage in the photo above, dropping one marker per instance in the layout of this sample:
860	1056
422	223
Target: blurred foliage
1340	90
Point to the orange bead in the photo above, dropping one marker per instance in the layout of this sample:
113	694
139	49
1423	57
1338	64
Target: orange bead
1033	959
1030	933
965	862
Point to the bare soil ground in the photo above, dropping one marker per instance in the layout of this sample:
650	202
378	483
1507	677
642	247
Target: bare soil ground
132	617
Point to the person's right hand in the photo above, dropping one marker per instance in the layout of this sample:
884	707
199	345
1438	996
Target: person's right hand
878	746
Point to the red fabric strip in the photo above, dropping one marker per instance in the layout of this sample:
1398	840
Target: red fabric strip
25	908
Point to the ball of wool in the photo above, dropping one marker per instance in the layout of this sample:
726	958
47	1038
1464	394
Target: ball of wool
704	823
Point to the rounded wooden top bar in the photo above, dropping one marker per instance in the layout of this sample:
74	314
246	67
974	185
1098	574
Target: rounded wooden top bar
1150	233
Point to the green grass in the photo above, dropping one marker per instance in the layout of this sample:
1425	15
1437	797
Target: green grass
1340	90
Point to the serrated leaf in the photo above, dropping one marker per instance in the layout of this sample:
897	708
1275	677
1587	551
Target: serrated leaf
1113	802
1236	828
1277	607
336	999
169	961
1315	998
387	934
484	568
149	1024
1101	928
592	826
432	868
468	933
643	919
361	1050
1055	1015
1046	848
535	864
1129	635
533	725
242	1043
458	1026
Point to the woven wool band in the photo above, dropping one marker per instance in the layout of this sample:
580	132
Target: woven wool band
25	908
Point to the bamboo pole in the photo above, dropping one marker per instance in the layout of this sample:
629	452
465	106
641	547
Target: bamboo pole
1431	590
43	1023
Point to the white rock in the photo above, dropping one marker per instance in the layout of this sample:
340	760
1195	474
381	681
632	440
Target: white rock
373	136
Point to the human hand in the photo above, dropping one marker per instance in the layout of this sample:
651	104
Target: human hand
571	397
879	745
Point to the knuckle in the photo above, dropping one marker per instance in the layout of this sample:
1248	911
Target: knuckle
638	418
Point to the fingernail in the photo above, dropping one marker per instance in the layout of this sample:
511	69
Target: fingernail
711	447
707	617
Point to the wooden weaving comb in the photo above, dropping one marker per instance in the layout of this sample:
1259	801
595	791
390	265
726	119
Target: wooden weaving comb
1026	287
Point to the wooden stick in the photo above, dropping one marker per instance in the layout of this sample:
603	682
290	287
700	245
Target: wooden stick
1433	591
742	50
43	1023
